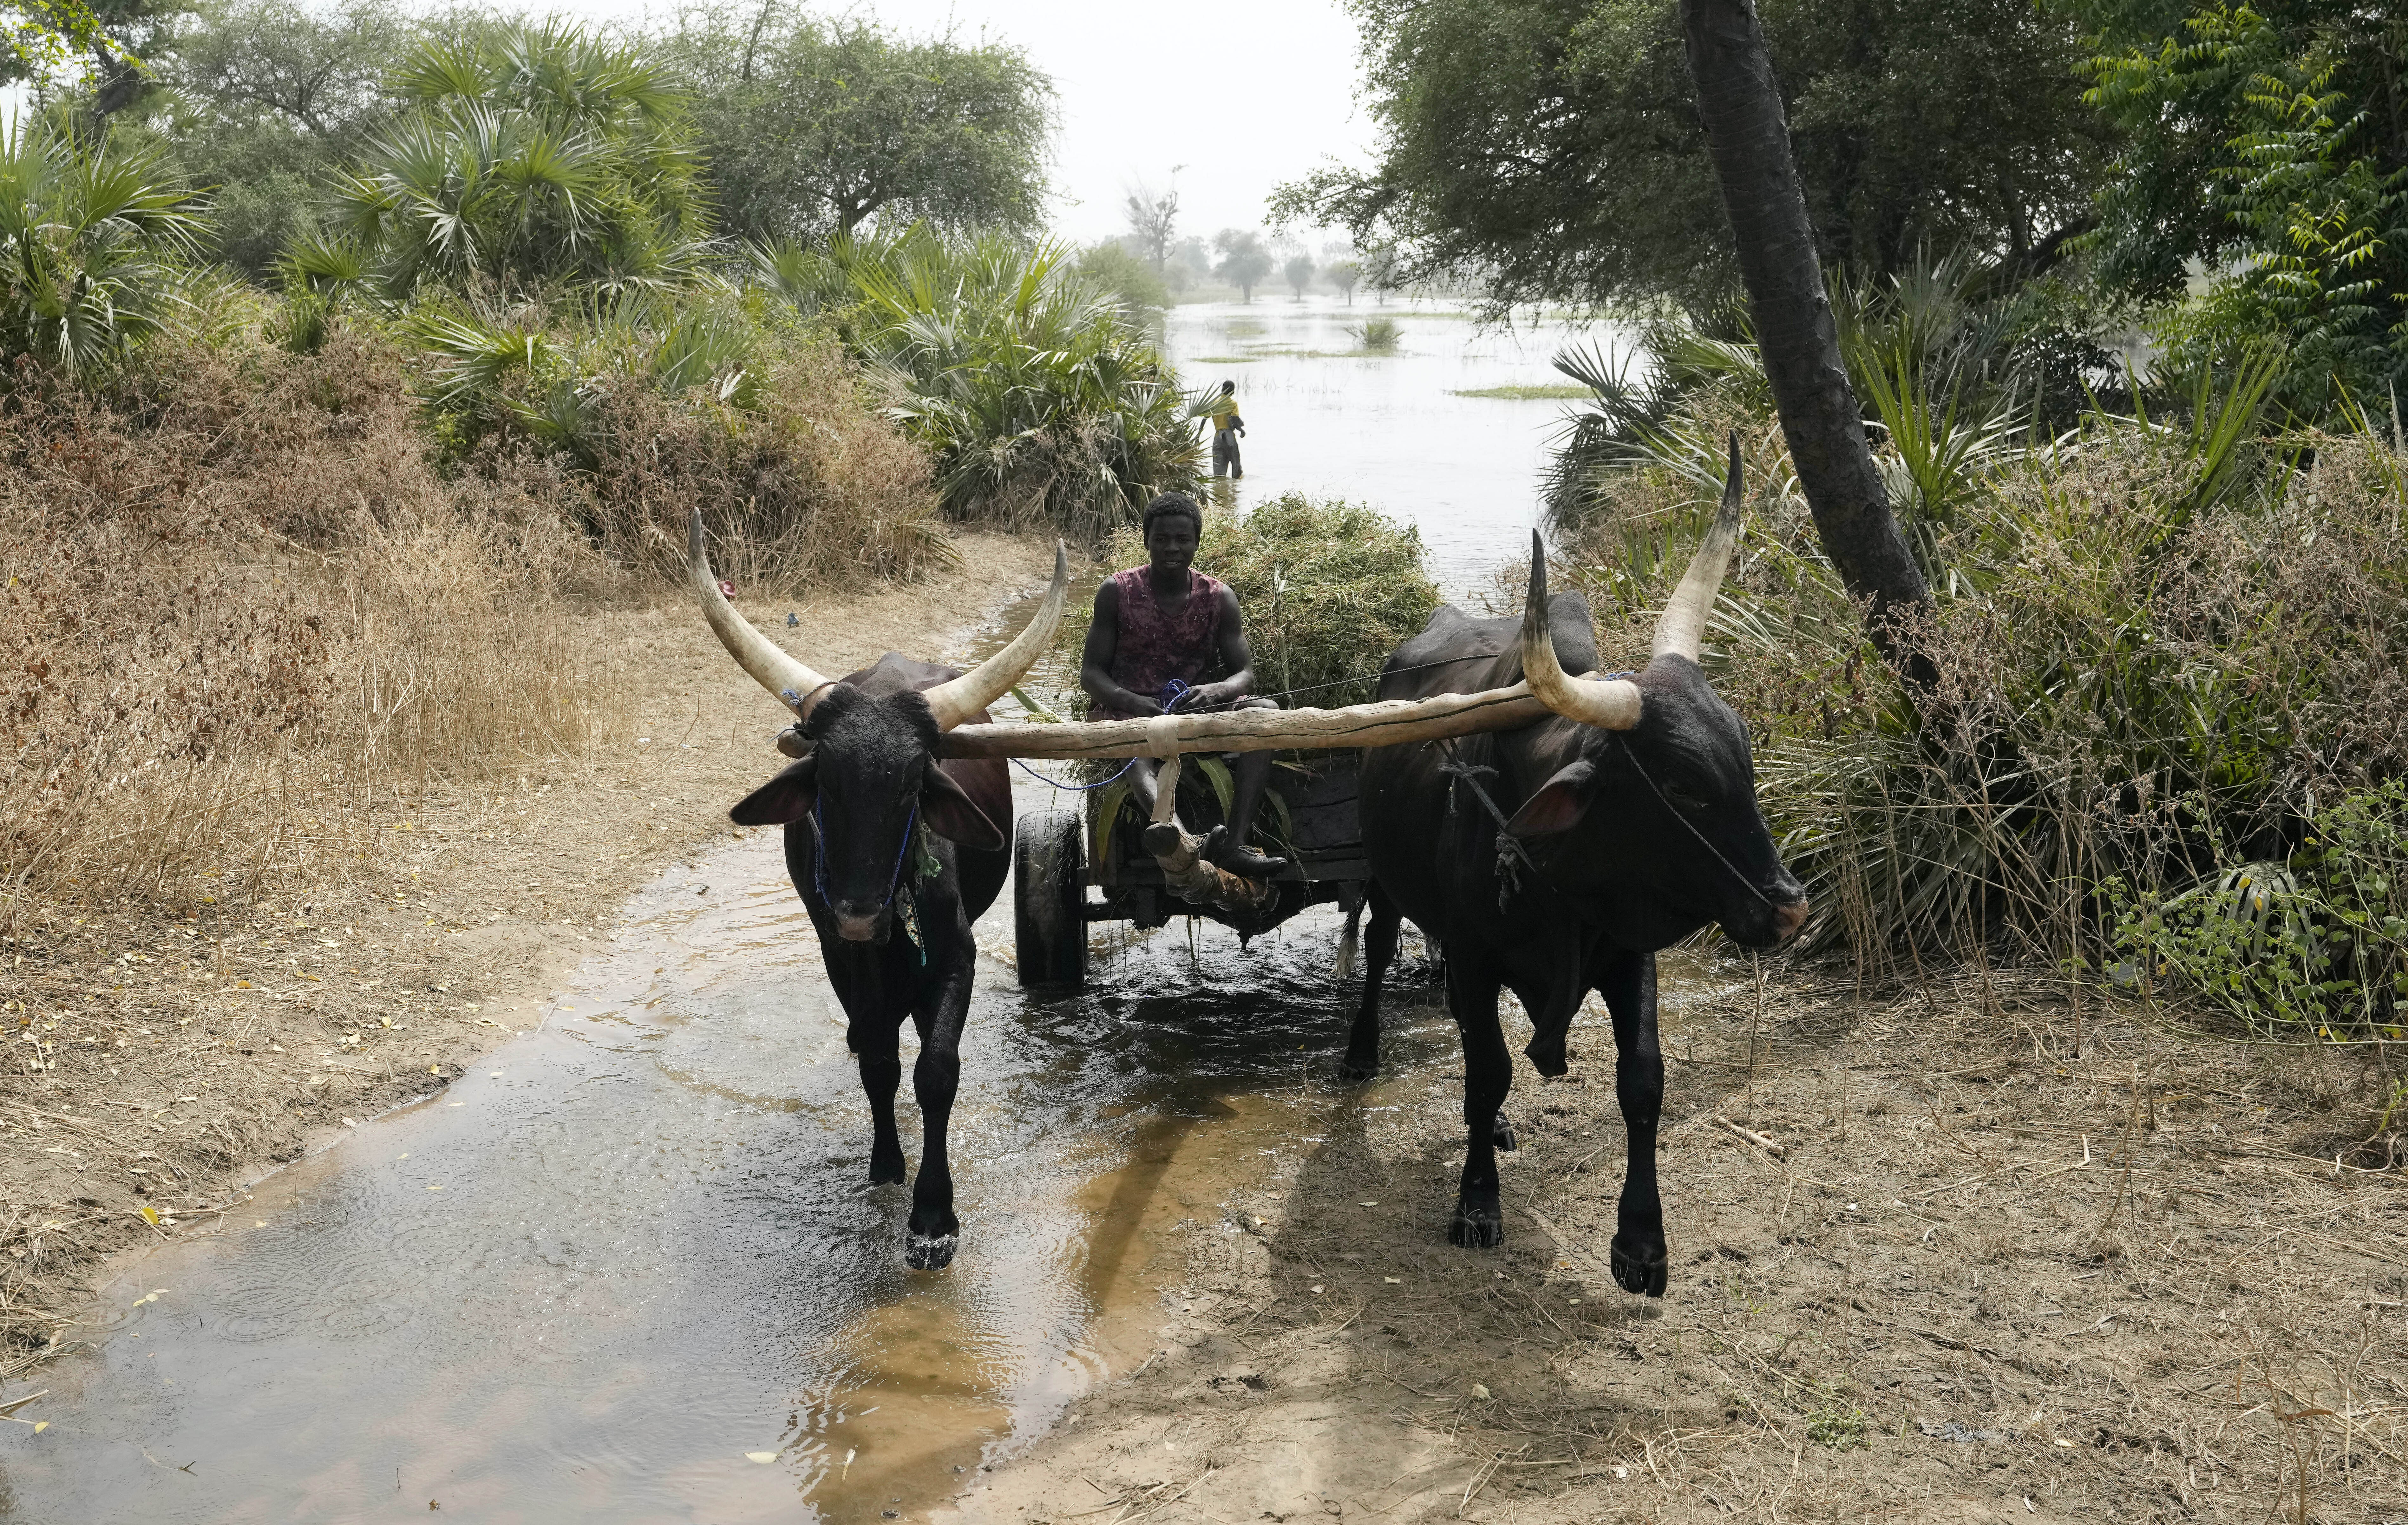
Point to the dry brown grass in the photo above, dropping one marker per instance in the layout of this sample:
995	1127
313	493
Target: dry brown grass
810	486
243	602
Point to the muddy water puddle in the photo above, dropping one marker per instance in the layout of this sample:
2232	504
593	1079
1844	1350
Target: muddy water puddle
629	1267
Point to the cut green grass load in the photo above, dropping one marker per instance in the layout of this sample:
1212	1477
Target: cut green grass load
1327	588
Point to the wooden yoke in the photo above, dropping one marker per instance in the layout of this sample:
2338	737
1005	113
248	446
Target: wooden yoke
1385	723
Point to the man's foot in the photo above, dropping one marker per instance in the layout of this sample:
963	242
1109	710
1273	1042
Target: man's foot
1239	859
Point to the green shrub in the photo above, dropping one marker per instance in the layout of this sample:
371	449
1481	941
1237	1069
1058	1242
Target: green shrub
2167	642
1379	336
1038	395
95	240
2313	947
533	155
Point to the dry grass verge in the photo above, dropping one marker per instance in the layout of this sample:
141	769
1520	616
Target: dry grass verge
1994	1275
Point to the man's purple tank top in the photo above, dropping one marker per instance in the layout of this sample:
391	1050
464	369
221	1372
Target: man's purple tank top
1155	647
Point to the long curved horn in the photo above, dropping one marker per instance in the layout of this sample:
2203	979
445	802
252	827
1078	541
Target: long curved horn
1609	703
794	684
1682	629
956	700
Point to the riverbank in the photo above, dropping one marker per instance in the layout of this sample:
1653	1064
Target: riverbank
2010	1262
157	1064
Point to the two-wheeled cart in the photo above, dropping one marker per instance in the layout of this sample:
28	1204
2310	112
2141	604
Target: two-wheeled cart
1061	885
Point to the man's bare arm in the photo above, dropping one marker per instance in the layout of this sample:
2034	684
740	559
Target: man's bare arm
1237	658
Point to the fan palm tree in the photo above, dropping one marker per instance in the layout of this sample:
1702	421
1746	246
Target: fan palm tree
95	240
534	154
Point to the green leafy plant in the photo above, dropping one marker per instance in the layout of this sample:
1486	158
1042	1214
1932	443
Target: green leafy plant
95	241
1378	336
1038	395
2313	947
532	155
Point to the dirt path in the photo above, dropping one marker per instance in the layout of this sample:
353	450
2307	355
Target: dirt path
154	1066
1986	1279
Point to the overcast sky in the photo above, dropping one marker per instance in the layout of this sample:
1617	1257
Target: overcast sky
1246	93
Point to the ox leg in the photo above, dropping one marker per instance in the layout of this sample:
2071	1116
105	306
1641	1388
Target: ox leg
1479	1221
1638	1251
932	1234
881	1072
1362	1059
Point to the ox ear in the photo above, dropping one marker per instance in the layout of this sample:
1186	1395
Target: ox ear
952	814
782	800
1558	805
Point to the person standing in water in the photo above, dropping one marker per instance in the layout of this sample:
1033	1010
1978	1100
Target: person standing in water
1164	620
1227	427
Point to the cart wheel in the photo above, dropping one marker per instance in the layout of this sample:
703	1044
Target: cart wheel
1049	900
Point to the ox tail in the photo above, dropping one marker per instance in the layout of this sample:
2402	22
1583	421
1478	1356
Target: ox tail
1349	940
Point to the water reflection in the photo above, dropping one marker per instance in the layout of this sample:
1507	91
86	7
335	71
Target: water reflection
626	1254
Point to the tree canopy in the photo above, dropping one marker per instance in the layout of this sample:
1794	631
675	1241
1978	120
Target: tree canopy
811	124
530	153
2267	144
1552	147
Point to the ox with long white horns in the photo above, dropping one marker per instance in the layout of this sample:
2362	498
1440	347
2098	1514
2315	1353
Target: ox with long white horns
1549	828
1556	857
895	852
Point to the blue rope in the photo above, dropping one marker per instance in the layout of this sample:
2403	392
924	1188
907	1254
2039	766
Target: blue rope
818	858
1174	693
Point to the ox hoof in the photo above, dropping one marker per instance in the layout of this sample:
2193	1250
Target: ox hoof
1355	1069
1501	1135
1639	1265
930	1252
886	1169
1476	1226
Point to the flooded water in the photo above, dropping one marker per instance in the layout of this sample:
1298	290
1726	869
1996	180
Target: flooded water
630	1268
1396	431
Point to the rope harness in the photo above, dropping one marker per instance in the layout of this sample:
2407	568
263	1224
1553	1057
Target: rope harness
1174	692
909	911
1512	858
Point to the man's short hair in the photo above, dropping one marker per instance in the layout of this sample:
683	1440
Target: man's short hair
1168	504
1229	386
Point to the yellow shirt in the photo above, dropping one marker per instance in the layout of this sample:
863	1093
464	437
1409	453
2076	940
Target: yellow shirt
1224	413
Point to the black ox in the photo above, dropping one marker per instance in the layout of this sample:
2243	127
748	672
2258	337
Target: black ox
1631	821
895	854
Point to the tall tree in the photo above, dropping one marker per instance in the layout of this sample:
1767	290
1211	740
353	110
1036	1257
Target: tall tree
1244	261
1299	270
1153	218
1550	148
263	101
811	124
1739	101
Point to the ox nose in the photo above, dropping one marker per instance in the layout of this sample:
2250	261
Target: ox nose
1788	918
854	924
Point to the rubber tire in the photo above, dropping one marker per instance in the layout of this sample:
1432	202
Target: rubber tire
1049	900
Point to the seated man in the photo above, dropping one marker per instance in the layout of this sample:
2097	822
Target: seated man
1163	621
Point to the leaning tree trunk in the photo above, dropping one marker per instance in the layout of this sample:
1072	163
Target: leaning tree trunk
1749	138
